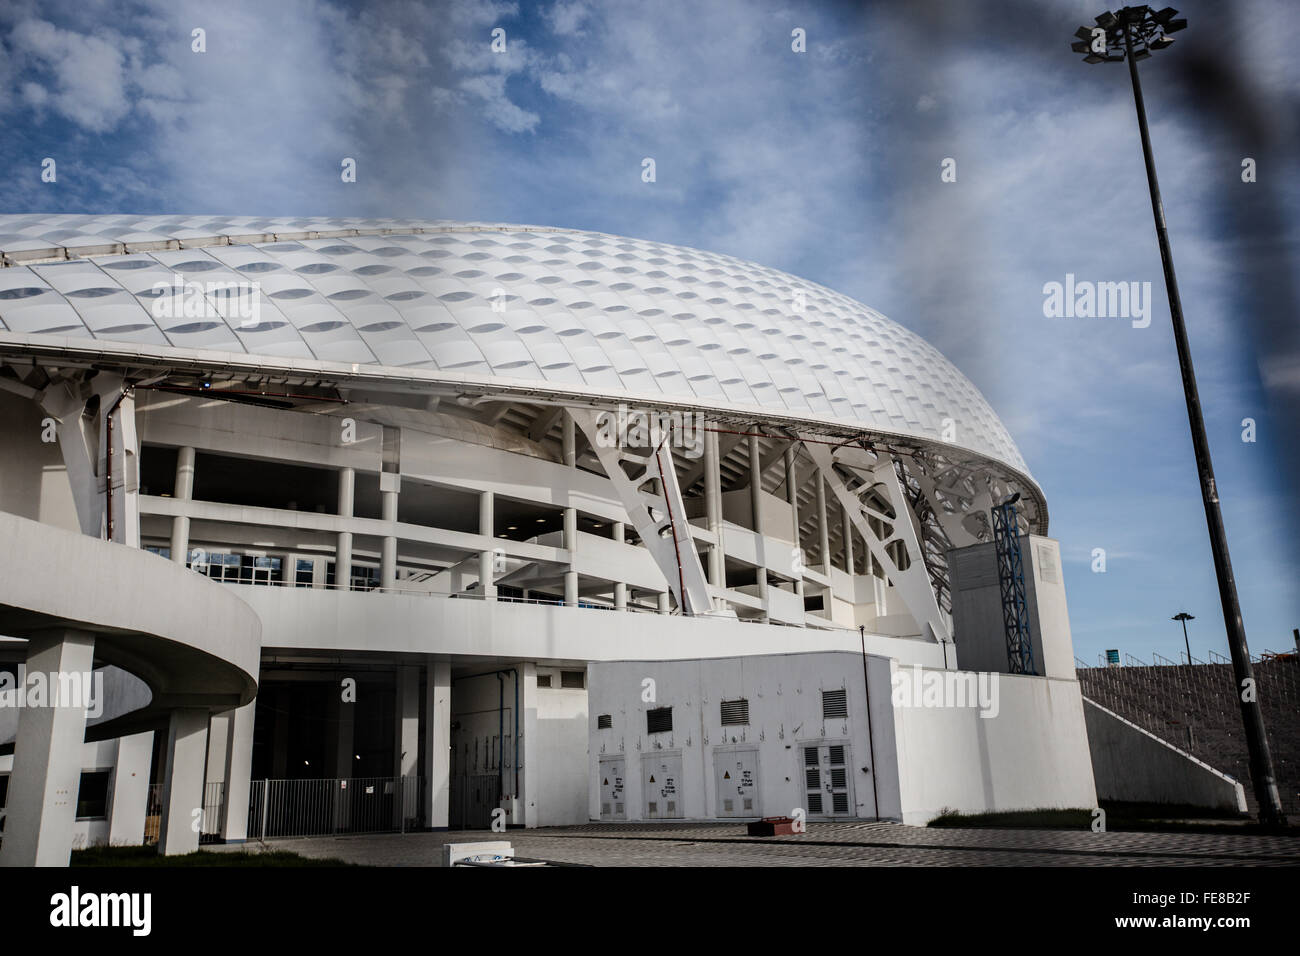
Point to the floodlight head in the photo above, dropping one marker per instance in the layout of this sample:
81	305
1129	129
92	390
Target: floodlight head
1163	16
1079	46
1094	58
1107	20
1139	55
1173	26
1084	33
1160	43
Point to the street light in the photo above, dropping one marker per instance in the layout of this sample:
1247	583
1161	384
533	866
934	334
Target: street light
1139	30
1185	617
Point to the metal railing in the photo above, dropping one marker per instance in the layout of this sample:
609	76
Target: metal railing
323	806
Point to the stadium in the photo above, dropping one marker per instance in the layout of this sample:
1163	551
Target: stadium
371	524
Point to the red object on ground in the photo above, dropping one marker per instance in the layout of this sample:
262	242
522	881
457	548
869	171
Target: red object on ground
772	826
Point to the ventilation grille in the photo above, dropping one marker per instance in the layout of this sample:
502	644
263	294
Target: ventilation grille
604	722
735	712
659	720
573	679
835	704
814	803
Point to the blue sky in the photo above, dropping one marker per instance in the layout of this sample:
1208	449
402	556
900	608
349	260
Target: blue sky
825	164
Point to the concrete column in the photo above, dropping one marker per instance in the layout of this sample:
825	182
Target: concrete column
756	507
569	444
130	804
486	525
792	496
665	603
848	540
823	527
620	587
183	491
239	768
406	736
527	750
713	509
437	744
185	755
42	802
343	552
388	549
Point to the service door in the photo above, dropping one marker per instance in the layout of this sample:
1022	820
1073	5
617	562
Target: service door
612	806
736	774
828	785
661	776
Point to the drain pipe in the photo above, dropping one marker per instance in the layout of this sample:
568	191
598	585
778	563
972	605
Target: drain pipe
871	737
108	463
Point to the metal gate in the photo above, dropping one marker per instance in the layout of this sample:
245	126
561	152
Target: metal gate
828	785
283	808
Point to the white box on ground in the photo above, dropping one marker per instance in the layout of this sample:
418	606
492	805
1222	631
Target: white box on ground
483	852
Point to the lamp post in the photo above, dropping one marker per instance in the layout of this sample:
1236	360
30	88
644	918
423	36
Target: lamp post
1132	33
1185	617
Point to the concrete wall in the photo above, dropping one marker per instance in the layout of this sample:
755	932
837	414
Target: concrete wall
1033	754
1133	765
929	756
977	608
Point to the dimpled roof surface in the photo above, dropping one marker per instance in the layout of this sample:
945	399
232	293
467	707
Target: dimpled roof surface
556	306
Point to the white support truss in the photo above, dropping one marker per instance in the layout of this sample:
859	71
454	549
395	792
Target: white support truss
659	519
912	583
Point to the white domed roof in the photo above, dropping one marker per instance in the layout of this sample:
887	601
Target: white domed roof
555	306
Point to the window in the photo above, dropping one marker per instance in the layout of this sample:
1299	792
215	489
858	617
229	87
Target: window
573	679
659	720
543	680
735	712
835	704
604	722
92	796
304	571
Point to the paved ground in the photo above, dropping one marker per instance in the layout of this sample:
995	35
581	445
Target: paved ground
825	844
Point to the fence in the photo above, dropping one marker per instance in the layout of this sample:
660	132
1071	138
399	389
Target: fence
324	806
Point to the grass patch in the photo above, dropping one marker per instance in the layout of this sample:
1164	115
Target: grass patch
1120	817
116	856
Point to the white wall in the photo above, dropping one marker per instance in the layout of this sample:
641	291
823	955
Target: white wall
1033	754
1132	764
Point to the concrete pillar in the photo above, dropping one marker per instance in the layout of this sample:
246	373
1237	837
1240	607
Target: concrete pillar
847	526
437	744
185	755
823	527
665	603
527	750
389	484
183	491
569	445
406	737
42	802
486	559
620	587
343	552
756	508
239	768
792	496
713	509
130	803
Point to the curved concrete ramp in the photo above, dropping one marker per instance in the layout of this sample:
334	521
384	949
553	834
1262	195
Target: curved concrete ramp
83	602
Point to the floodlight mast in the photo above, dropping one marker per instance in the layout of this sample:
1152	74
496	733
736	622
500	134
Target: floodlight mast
1152	29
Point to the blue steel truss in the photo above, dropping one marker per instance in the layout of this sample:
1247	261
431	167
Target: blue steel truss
1011	578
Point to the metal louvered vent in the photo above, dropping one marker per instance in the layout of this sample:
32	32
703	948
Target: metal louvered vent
839	803
659	720
835	704
810	756
735	712
837	753
604	722
814	803
573	679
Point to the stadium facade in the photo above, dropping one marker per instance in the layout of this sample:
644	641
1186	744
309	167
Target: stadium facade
424	522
